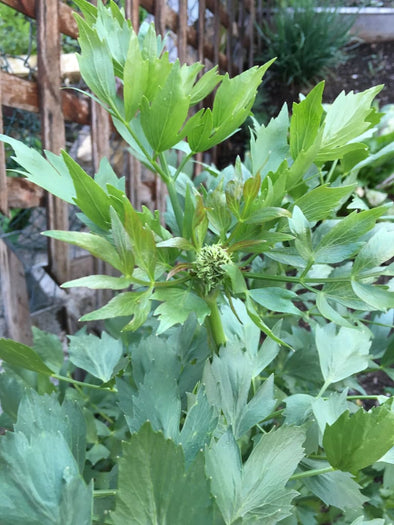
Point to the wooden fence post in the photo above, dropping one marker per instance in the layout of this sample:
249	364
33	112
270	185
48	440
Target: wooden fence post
52	121
3	175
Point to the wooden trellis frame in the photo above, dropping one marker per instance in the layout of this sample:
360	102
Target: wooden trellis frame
235	18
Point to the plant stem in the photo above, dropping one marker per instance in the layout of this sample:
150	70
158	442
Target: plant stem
312	472
323	389
312	280
80	383
104	493
215	322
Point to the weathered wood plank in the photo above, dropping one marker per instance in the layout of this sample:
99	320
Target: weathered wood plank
52	123
14	295
182	31
132	10
3	175
23	94
67	23
24	194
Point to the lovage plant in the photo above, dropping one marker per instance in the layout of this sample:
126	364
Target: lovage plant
224	389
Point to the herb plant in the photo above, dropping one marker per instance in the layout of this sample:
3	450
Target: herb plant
224	389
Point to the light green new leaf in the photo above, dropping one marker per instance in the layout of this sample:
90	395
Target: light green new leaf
37	414
301	228
362	521
321	202
334	488
346	119
177	305
99	282
341	354
205	85
135	78
355	442
136	304
377	297
91	198
94	244
255	492
53	178
95	63
275	299
20	355
154	486
122	243
327	411
268	144
163	118
306	121
97	356
379	249
40	482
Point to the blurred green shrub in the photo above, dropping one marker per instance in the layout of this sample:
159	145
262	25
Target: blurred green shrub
308	39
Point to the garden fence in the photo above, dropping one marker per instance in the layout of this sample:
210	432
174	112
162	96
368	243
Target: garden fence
212	31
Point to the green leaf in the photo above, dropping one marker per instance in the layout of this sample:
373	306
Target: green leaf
346	119
97	356
275	299
38	414
142	240
177	305
306	121
40	482
20	355
154	486
334	488
377	297
379	249
95	63
91	198
268	144
355	442
341	240
49	348
327	411
99	282
321	202
253	314
163	118
255	492
201	420
94	244
301	228
228	380
122	243
42	172
176	242
329	312
124	304
156	370
205	85
135	78
341	354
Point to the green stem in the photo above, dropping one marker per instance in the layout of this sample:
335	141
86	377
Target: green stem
323	389
182	165
273	415
104	493
176	206
80	383
315	280
312	472
215	322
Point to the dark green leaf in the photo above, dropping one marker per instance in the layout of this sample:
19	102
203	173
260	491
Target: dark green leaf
37	414
154	486
40	482
355	442
20	355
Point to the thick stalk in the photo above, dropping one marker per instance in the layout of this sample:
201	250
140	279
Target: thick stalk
215	325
